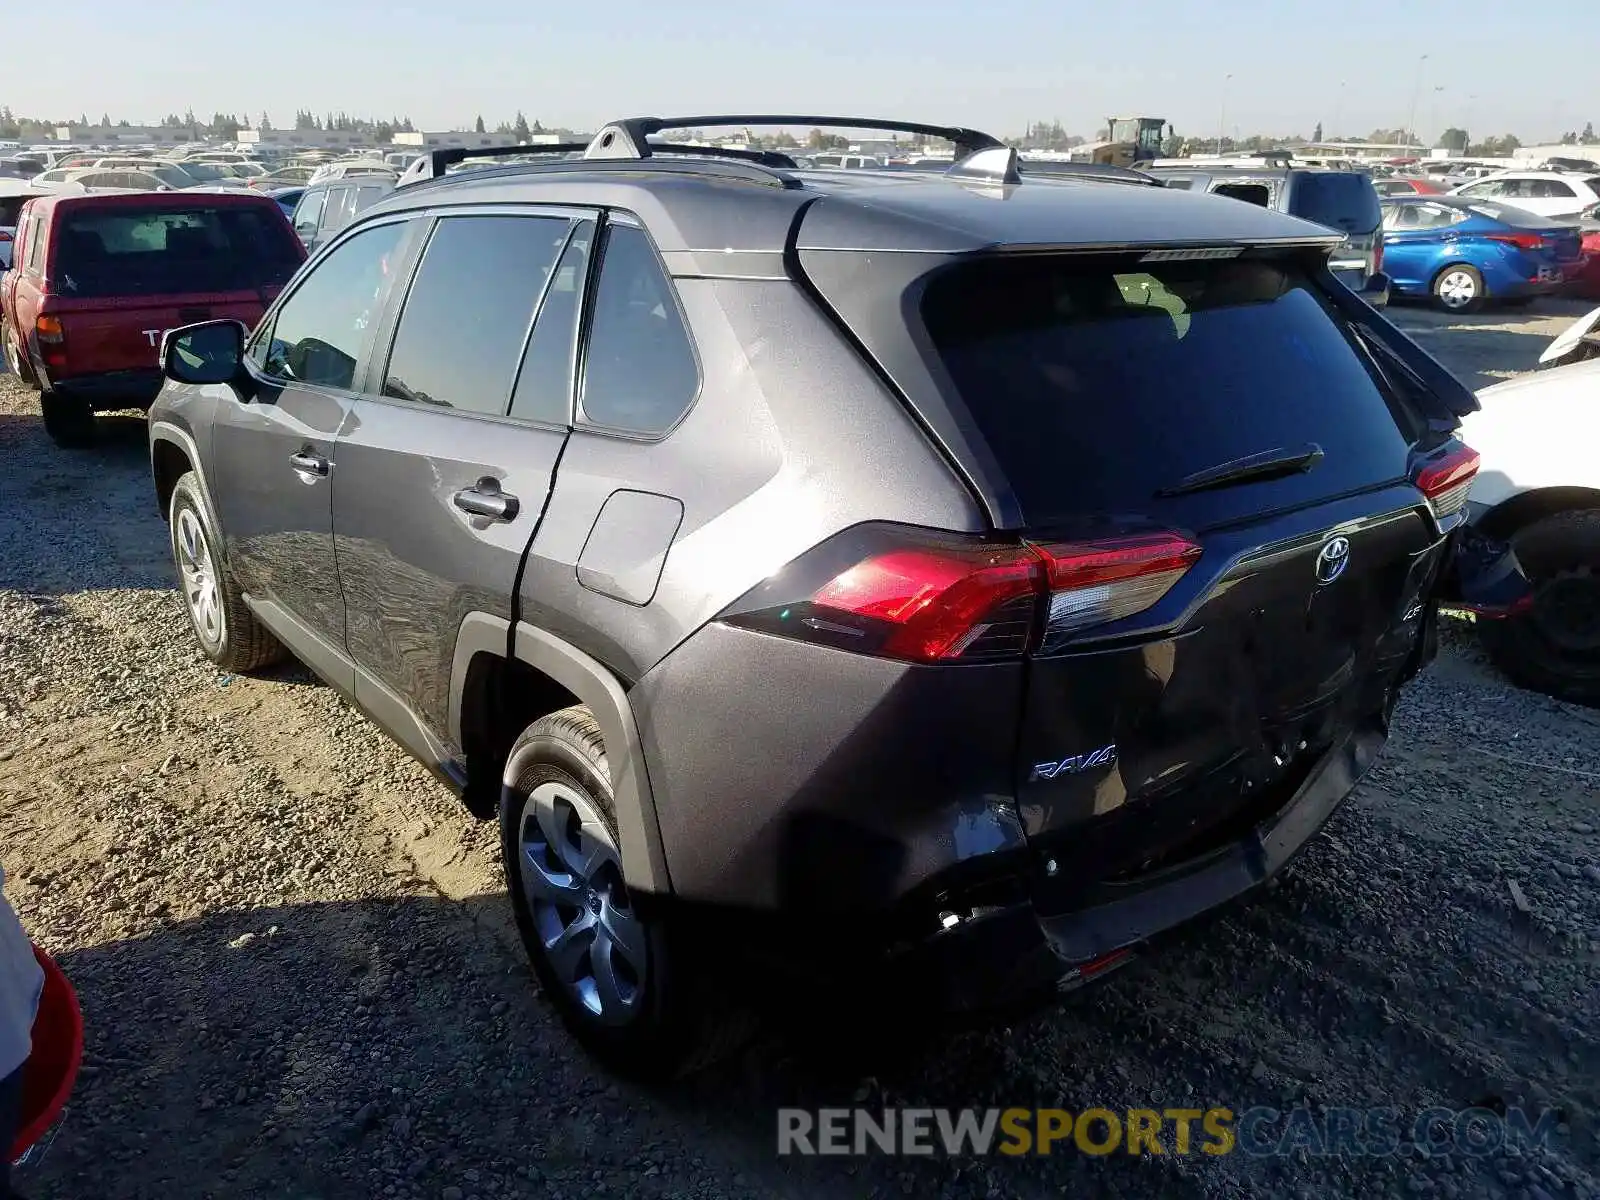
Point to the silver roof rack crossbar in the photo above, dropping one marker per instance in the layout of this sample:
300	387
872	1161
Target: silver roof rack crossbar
629	137
435	163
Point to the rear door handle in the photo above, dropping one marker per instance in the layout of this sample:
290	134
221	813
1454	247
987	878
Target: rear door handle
311	464
485	499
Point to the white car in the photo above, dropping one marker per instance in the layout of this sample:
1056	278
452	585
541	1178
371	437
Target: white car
1538	487
1549	193
14	193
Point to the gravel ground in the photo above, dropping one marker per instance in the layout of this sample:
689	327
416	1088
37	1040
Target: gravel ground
299	977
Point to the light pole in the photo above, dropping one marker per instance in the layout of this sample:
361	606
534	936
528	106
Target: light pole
1416	89
1222	112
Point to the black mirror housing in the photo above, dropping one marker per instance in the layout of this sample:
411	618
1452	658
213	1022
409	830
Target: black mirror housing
208	352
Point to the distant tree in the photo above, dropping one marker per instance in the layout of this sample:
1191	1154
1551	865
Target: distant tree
265	124
83	120
478	125
520	129
105	120
1587	137
537	127
1454	139
1316	134
1569	139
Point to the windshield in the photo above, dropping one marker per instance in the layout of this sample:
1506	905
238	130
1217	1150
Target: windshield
204	172
1099	383
158	251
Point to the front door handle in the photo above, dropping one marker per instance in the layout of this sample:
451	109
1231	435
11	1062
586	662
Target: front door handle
311	464
485	499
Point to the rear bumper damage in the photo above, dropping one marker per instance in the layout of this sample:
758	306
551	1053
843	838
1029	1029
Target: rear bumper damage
991	956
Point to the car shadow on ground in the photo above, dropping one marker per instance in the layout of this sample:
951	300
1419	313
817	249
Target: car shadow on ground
398	1047
81	519
327	1050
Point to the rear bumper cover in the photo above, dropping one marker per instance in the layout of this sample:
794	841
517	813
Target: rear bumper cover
998	955
135	388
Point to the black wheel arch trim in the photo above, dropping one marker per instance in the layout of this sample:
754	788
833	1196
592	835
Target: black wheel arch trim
643	861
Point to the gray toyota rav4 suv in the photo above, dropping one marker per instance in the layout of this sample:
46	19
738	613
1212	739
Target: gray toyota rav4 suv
960	574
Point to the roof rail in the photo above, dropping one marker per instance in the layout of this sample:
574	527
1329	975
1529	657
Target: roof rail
629	137
724	167
436	162
1105	171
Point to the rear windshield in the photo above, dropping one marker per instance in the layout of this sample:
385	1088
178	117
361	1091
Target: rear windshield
1098	384
1511	215
1340	199
161	251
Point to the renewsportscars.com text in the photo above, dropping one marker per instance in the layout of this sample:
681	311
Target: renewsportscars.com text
1258	1131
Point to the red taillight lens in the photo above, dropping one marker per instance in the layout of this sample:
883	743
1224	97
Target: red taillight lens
936	604
48	329
1522	241
928	597
1447	479
5	235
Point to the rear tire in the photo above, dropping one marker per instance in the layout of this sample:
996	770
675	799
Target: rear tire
1554	647
16	360
1458	288
618	979
69	420
228	632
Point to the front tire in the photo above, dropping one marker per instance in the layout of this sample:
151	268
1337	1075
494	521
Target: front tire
1459	288
68	420
228	632
1554	647
611	970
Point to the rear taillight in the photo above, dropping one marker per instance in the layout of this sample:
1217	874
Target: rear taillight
925	597
1447	479
48	329
5	235
1522	241
1093	583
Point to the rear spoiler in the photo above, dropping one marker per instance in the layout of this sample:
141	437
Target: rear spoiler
1424	372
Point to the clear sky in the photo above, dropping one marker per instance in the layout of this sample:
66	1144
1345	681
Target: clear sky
995	64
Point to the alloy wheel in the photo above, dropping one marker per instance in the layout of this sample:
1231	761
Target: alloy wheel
571	876
199	573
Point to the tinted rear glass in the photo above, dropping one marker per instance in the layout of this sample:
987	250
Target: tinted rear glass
125	251
1098	384
1341	199
10	206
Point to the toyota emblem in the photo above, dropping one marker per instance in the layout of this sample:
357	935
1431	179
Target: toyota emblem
1332	559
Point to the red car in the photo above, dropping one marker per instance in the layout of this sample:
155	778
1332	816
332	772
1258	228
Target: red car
1586	281
98	279
1408	185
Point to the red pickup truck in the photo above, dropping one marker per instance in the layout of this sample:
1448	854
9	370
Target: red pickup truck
98	278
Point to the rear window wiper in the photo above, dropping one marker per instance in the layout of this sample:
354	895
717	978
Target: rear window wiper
1268	464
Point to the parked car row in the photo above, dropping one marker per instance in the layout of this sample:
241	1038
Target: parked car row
561	498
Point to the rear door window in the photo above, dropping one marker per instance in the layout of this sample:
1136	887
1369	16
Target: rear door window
1099	383
1344	200
640	372
469	310
126	251
544	385
1251	193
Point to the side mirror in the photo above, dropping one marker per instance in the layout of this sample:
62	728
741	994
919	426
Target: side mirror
210	352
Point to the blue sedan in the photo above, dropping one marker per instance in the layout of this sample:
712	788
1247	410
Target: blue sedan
1462	251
